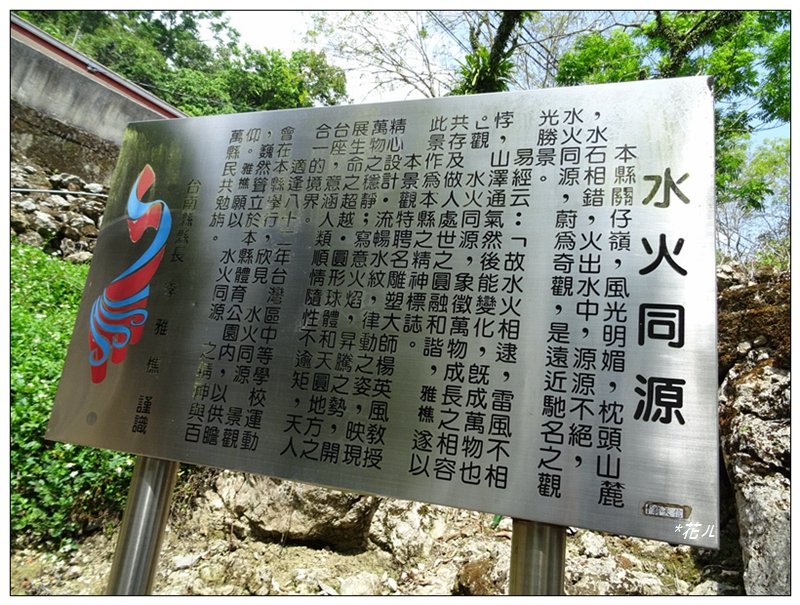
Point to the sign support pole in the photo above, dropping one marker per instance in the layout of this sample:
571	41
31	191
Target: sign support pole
139	543
538	558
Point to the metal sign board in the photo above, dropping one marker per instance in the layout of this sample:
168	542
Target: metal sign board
502	302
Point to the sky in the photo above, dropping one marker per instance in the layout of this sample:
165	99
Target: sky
280	30
284	31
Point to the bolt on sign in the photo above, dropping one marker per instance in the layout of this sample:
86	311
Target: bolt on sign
501	302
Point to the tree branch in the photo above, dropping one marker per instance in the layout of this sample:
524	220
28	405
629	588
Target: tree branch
681	44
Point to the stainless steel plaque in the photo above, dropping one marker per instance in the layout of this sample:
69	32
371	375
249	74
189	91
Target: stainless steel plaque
501	302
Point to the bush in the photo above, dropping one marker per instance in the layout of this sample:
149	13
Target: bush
58	491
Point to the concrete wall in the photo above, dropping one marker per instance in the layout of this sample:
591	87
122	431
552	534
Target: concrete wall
41	82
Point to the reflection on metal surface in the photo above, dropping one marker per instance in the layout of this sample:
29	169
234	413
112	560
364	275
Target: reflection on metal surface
538	559
502	302
133	570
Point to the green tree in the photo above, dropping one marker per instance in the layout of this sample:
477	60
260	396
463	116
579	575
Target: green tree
746	52
177	35
758	235
269	80
167	53
772	161
430	53
200	93
488	68
68	26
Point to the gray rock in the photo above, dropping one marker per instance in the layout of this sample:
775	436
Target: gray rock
643	583
391	584
363	583
713	587
756	448
67	247
78	220
27	205
89	231
592	545
186	561
20	222
81	256
309	581
72	182
32	238
298	512
326	589
584	576
729	275
44	224
403	528
57	202
765	530
18	181
93	209
69	232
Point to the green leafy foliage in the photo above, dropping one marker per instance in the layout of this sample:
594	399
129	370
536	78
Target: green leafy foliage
57	490
746	53
488	69
756	233
771	163
479	74
599	59
166	53
269	80
200	94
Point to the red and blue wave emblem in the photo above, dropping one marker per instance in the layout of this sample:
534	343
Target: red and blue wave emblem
118	315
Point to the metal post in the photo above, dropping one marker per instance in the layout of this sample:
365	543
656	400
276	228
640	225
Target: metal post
538	558
139	543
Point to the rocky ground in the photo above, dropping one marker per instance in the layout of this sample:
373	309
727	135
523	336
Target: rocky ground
237	534
413	549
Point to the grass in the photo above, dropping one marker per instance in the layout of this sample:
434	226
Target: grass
58	491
